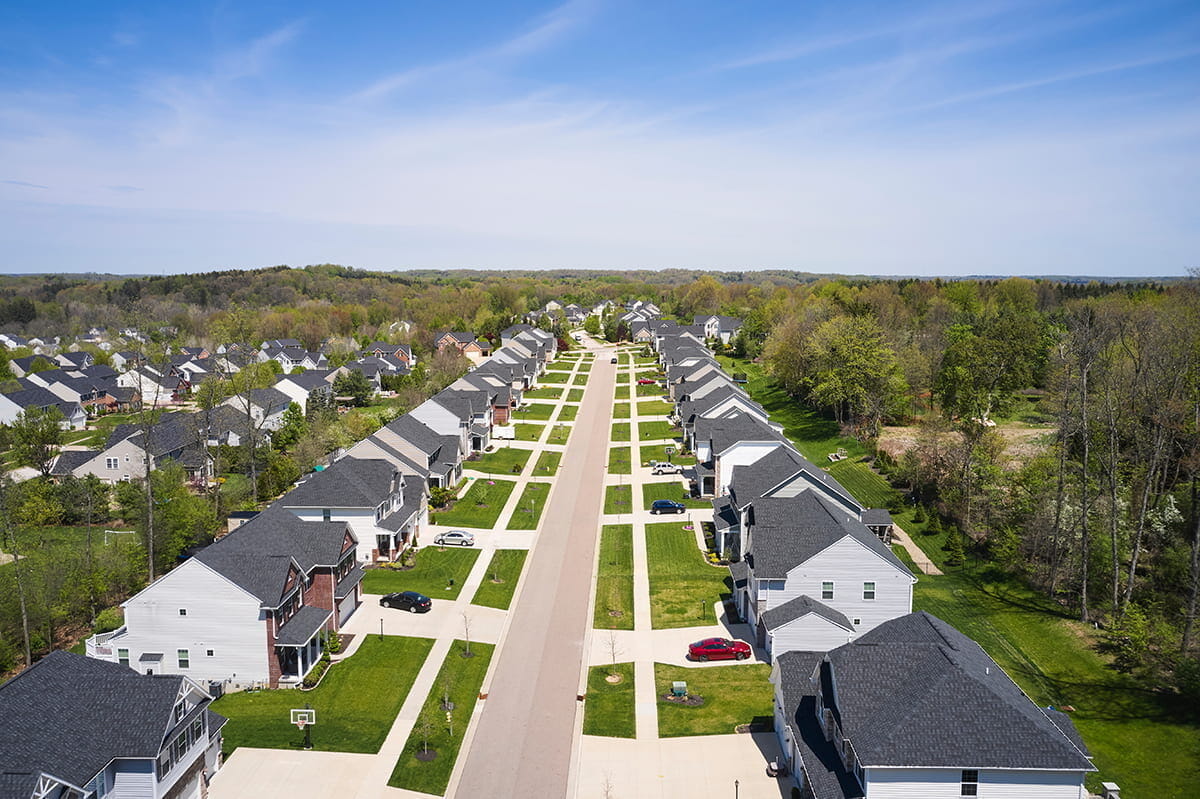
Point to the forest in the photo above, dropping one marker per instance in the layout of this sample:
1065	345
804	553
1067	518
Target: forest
1052	426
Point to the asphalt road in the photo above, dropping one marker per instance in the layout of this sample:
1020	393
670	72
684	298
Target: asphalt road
523	743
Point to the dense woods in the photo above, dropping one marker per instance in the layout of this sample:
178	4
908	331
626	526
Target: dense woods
1055	425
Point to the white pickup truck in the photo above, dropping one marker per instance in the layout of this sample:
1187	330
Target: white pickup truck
662	467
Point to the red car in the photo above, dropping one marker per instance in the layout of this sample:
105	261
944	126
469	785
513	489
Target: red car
645	381
719	649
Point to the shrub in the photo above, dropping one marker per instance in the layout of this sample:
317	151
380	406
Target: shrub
439	497
108	620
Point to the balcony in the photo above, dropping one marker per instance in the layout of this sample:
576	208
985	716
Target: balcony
100	645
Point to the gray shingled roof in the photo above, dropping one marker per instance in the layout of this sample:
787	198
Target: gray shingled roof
301	627
876	516
754	480
348	483
257	555
953	707
71	459
727	431
788	531
70	715
802	606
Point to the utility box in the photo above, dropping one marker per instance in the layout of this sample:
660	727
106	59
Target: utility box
678	688
1111	790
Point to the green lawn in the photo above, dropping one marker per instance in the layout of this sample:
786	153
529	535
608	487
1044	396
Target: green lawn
654	407
621	393
434	570
650	390
683	586
580	380
560	367
609	708
559	434
614	579
547	392
618	461
585	367
657	452
554	377
547	464
464	676
500	461
356	702
733	695
500	582
534	412
479	507
617	499
568	413
621	410
620	431
653	431
529	507
575	395
528	432
672	490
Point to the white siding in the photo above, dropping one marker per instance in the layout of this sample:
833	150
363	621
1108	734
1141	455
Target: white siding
742	454
133	779
809	633
131	462
849	564
361	521
220	616
885	783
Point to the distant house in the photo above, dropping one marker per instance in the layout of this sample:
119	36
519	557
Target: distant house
291	358
466	343
124	360
916	708
22	367
299	388
265	406
36	398
74	360
253	608
400	352
719	328
175	437
73	727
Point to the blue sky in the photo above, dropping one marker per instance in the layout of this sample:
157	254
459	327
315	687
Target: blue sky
929	138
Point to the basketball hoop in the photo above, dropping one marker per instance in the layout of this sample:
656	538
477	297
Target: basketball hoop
304	718
302	723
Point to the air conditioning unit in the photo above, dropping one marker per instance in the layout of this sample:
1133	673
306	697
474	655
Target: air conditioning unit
1111	790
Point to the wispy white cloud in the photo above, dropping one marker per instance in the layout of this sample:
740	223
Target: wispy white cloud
539	34
24	184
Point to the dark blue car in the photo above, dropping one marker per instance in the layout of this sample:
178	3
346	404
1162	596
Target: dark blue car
407	600
667	506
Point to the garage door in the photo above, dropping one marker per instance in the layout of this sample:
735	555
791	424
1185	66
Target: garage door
346	608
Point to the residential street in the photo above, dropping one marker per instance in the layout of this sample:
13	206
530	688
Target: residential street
522	745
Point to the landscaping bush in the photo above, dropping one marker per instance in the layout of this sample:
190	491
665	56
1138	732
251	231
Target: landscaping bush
108	620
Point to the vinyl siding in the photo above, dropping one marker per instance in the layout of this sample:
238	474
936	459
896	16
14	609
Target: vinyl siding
135	466
220	616
885	783
133	779
809	633
849	564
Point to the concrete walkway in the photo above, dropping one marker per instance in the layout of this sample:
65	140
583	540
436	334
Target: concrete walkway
915	552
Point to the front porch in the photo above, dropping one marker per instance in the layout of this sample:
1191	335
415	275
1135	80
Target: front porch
298	646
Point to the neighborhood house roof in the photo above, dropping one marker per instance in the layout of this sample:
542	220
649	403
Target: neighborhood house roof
802	606
348	483
69	716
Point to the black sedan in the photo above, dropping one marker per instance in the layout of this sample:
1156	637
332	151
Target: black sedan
407	600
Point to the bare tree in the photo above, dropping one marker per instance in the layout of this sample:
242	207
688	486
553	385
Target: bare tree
10	543
613	648
606	787
467	632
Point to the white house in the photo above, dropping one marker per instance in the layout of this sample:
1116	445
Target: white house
72	726
253	608
914	708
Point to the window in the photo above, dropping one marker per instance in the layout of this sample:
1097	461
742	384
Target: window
868	590
970	782
183	611
112	463
856	622
326	515
209	653
123	657
184	659
827	589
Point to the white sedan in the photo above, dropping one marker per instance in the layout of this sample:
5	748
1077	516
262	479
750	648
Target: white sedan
455	538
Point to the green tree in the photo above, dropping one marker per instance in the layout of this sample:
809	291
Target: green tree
36	437
592	325
290	429
354	384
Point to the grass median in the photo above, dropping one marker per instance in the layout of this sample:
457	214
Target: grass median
618	461
500	582
460	678
609	709
506	460
733	696
547	464
529	507
614	579
432	575
618	499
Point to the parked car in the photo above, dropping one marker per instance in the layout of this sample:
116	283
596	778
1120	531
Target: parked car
407	600
645	381
613	359
667	506
459	538
719	649
666	468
